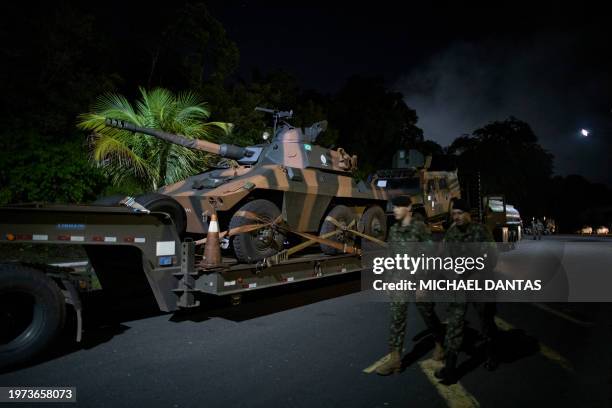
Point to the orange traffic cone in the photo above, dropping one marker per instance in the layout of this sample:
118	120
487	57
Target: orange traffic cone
212	249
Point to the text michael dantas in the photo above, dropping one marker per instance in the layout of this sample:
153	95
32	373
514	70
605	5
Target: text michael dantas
459	285
428	266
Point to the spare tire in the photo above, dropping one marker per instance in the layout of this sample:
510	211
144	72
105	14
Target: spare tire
344	216
32	313
255	246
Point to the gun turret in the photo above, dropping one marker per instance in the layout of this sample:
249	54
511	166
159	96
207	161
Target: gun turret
276	113
224	150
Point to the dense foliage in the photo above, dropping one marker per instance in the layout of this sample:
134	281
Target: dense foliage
125	156
510	162
35	170
60	60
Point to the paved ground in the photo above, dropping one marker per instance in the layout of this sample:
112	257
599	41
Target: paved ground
315	345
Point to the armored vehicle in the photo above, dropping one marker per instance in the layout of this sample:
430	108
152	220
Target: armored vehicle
431	190
288	183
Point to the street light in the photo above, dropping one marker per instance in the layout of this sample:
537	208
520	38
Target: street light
584	132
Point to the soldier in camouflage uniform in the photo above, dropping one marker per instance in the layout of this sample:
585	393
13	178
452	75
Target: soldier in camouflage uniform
464	230
402	236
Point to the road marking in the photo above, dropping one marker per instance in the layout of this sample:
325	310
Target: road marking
562	315
70	264
454	394
545	351
373	367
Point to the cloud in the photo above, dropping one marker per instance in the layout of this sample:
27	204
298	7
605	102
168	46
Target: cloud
542	80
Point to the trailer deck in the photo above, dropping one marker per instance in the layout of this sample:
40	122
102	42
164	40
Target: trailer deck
130	253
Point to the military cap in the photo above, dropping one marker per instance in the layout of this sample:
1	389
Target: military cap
401	201
461	204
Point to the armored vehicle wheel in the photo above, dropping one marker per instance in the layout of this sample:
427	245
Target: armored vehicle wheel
164	203
254	246
344	216
374	222
154	202
32	312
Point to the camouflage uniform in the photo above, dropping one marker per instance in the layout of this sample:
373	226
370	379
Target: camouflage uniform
471	233
401	241
537	229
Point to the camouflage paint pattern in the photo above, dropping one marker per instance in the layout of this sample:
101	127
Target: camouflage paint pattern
306	177
432	191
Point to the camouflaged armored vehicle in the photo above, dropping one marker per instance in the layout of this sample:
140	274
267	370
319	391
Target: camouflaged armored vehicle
289	179
431	190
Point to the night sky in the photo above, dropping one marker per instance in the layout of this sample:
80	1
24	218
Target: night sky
459	67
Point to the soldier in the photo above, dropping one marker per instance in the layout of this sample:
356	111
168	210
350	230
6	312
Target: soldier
465	230
536	229
405	231
540	229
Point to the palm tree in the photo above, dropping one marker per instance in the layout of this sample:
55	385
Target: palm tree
152	163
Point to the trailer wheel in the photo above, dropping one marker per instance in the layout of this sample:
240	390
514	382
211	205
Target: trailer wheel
344	216
32	313
262	243
374	223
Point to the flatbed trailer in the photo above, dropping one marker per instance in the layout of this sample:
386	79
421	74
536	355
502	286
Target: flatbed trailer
130	252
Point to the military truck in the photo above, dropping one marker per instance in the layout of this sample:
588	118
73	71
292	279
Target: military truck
289	183
432	191
503	219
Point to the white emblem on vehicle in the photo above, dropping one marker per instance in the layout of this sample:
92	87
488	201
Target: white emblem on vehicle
323	159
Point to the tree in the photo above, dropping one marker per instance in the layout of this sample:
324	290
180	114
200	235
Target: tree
188	47
575	202
373	122
510	162
37	171
127	156
55	62
275	90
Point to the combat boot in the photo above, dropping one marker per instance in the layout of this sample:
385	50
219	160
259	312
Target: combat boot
448	373
392	365
438	353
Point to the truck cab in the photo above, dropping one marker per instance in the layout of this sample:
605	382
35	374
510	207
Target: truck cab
431	190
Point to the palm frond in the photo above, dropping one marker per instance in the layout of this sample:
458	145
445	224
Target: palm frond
124	154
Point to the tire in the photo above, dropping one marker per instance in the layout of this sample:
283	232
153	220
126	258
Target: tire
154	202
254	246
32	307
374	222
163	203
343	215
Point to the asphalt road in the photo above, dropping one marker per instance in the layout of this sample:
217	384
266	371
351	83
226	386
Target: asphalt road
316	344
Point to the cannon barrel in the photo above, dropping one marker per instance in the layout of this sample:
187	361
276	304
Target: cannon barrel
224	150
